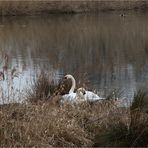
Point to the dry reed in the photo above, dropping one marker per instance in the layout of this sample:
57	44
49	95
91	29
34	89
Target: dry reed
70	125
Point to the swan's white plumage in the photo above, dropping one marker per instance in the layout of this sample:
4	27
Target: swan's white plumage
69	97
73	98
81	94
88	95
91	96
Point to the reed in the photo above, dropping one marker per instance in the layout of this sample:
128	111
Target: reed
41	89
40	123
132	133
68	125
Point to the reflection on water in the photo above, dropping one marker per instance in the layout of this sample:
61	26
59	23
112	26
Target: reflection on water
111	51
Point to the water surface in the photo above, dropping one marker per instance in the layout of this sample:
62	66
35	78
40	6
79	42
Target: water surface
103	51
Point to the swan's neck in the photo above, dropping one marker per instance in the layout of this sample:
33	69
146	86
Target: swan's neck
73	85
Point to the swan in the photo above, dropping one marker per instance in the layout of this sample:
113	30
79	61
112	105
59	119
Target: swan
77	97
80	95
88	95
68	76
71	96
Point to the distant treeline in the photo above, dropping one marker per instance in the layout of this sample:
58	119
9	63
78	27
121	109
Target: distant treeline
36	7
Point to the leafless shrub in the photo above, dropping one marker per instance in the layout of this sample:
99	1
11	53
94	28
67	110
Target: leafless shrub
41	89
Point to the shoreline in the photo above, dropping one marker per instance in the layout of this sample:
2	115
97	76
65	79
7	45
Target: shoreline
52	7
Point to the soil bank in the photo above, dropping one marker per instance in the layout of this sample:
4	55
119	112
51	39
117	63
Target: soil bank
36	7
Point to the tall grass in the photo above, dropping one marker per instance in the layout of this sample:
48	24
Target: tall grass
99	124
133	134
35	125
41	89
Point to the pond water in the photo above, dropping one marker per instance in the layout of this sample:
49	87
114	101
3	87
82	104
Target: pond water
103	51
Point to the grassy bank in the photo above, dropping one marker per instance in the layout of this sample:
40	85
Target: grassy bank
43	123
68	125
35	7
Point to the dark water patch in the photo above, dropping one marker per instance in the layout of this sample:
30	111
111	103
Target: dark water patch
106	51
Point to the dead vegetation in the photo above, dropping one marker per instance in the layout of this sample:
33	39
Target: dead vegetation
69	125
42	123
41	89
48	125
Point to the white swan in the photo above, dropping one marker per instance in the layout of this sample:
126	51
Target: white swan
73	83
71	96
80	95
88	95
76	97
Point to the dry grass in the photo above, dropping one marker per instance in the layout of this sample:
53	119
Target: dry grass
81	125
69	125
41	126
131	130
41	89
47	125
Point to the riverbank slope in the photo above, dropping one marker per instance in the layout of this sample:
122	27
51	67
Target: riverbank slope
35	7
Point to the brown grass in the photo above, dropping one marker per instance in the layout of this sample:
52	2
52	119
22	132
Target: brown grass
101	124
46	125
69	125
41	89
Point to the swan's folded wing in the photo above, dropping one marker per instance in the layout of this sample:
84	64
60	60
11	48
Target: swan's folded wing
92	96
69	97
63	87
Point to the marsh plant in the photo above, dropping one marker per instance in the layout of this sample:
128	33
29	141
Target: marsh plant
101	124
133	134
7	75
41	89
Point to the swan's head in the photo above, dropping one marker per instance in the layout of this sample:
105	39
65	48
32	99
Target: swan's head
81	94
81	91
68	76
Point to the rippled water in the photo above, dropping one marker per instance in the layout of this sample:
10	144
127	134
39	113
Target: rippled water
103	51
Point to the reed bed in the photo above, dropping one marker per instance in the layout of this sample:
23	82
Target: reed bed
69	125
